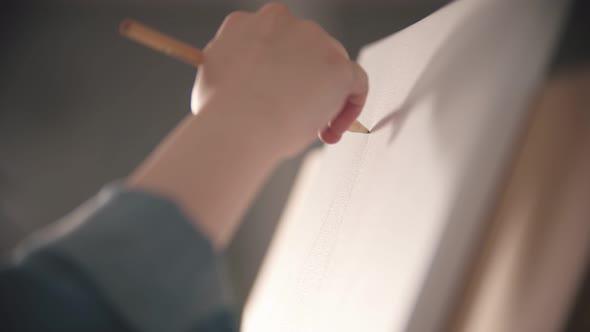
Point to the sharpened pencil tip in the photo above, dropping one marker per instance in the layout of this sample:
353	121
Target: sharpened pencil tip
357	127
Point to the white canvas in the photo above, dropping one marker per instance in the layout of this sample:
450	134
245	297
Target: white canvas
381	238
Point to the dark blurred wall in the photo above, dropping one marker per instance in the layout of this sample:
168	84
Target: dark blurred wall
81	106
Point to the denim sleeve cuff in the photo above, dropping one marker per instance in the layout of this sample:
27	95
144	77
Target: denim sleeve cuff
144	256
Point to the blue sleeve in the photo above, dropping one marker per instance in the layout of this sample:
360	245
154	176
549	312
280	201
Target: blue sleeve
124	261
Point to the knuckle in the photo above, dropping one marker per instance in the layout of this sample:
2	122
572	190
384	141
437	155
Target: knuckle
340	48
343	71
336	59
275	7
362	76
311	26
234	17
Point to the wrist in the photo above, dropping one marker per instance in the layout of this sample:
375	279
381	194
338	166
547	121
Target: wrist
211	165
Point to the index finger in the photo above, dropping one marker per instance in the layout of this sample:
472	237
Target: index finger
355	102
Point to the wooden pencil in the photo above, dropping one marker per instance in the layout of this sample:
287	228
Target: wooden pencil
180	50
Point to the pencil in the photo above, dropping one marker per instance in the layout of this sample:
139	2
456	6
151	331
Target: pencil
180	50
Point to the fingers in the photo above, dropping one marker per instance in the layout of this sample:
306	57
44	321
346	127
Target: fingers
271	26
355	102
359	87
332	133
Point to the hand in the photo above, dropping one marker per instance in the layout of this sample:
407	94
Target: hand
269	83
282	75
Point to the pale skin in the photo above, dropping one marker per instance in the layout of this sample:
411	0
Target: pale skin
269	84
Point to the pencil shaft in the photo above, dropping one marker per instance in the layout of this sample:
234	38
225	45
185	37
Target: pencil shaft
161	42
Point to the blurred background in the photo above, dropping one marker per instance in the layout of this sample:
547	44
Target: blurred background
80	106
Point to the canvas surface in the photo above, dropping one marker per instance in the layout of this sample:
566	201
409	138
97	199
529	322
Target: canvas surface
382	235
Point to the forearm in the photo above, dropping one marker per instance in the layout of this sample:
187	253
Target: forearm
212	165
124	258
